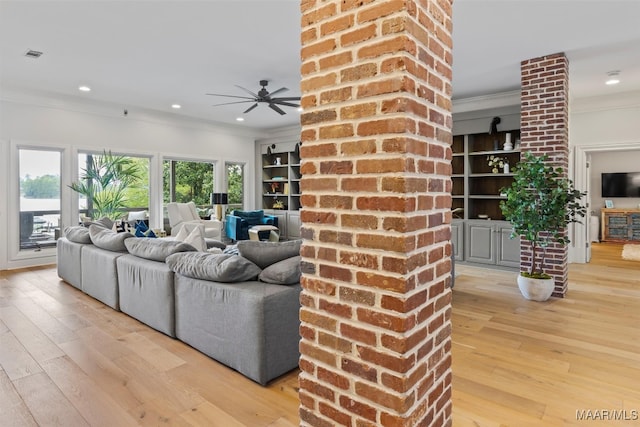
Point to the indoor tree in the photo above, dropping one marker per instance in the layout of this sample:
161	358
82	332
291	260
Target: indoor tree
540	203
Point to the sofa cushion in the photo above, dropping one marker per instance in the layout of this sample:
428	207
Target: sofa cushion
214	267
77	234
107	239
156	249
285	272
263	254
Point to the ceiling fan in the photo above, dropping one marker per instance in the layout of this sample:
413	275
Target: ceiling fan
263	95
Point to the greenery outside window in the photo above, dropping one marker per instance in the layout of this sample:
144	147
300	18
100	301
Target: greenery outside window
235	185
39	173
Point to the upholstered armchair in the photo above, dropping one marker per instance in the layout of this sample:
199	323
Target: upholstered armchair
186	213
239	223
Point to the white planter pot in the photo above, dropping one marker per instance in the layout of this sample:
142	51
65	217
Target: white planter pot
535	289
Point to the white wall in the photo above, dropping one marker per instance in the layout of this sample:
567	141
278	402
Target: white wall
607	130
74	127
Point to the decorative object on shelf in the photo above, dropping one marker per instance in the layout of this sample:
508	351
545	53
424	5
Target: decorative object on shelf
275	186
508	146
506	167
493	129
278	161
278	204
497	162
218	200
540	204
608	204
517	144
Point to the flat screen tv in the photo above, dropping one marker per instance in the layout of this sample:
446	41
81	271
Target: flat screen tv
621	184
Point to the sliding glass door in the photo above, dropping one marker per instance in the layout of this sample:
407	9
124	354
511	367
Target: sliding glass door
39	173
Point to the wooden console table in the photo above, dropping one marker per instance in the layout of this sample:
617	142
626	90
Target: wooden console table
620	225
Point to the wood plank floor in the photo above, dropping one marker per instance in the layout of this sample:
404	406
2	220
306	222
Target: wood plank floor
68	360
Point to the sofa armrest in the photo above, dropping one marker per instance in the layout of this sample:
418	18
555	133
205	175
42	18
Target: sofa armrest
211	223
235	226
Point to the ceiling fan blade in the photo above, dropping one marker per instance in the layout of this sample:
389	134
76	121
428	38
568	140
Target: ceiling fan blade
287	98
282	89
250	108
255	95
274	107
229	96
288	104
229	103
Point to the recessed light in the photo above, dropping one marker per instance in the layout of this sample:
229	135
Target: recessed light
300	109
176	106
84	88
240	119
613	78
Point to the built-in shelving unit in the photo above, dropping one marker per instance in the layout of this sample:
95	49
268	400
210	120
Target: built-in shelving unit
280	181
479	232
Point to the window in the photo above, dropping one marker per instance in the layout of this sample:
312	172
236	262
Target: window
110	185
235	185
39	172
185	181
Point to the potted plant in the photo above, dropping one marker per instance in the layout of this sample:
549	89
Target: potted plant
104	183
540	204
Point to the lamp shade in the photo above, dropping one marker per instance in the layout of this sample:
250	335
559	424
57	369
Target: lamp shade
219	198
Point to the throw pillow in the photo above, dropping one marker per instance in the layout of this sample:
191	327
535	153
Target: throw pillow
196	239
263	254
107	239
156	249
142	230
285	272
213	267
104	222
77	234
182	234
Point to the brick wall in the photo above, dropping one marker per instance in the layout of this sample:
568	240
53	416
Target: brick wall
376	166
544	127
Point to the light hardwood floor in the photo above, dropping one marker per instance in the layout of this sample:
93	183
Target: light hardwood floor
68	360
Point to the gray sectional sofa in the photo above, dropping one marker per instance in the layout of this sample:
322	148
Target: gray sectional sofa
241	310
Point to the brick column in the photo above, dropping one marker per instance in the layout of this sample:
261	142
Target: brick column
544	128
376	197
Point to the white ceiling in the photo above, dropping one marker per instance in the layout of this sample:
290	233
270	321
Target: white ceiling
151	54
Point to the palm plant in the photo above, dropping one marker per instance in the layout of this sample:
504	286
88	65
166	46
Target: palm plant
104	183
540	204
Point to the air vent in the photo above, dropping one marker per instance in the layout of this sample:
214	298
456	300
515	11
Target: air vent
33	54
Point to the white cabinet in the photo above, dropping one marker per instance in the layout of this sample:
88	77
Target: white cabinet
288	223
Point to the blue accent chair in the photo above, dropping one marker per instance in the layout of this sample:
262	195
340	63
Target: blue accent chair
239	223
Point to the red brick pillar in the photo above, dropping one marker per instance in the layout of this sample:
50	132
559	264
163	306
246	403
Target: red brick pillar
544	128
376	166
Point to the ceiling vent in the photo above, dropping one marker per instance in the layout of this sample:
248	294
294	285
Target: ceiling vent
33	54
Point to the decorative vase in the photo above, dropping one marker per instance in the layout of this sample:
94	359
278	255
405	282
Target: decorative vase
278	161
506	168
508	146
535	289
